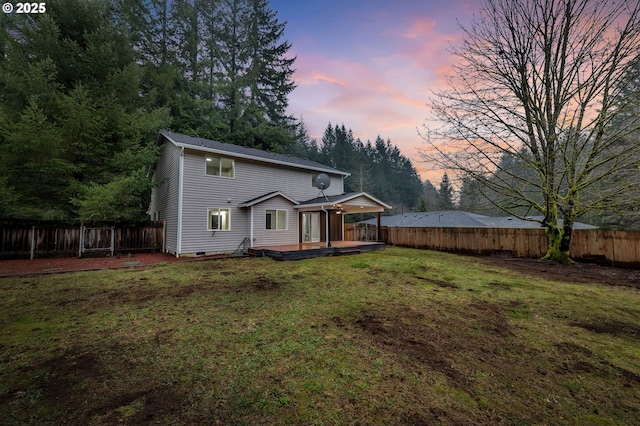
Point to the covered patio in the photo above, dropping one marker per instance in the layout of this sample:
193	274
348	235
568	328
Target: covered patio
321	228
326	214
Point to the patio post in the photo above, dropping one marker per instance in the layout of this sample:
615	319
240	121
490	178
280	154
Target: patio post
378	226
327	230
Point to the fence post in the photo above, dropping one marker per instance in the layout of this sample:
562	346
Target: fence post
164	236
113	240
33	241
81	245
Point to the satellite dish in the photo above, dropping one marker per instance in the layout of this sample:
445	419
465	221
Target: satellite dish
322	181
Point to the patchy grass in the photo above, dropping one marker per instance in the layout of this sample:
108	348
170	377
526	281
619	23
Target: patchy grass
395	337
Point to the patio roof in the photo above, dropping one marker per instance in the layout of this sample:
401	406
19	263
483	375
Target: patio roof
353	202
266	197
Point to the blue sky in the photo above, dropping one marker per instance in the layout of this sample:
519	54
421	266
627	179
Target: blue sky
371	64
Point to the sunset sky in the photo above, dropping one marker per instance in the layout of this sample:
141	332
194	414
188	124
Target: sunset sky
371	64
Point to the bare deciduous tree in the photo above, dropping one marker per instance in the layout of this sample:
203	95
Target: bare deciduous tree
540	81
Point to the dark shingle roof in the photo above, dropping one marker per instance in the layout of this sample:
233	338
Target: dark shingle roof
329	198
245	152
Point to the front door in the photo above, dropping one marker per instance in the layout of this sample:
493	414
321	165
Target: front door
311	227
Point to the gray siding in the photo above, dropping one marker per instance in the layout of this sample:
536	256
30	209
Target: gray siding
164	199
263	236
252	179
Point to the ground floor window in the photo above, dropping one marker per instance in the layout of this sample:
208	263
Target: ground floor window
219	219
276	219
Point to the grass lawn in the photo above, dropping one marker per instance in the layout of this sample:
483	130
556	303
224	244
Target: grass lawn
400	336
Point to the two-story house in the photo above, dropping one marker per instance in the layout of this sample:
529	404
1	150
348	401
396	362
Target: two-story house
218	198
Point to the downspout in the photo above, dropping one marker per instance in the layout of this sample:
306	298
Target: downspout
180	194
251	226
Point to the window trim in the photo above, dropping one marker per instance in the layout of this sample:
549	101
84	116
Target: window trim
220	158
218	209
286	219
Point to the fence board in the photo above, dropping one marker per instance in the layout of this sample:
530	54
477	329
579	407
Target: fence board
20	242
614	247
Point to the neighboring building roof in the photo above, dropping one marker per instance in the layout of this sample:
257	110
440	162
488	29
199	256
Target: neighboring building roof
461	219
243	152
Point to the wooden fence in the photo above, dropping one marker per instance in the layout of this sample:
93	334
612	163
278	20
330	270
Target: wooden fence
42	241
610	247
359	232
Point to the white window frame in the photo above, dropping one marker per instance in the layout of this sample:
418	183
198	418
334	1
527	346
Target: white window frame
277	212
210	158
217	211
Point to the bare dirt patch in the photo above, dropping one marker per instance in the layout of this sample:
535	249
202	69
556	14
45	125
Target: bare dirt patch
432	338
577	359
439	283
615	328
574	273
44	266
436	341
266	284
477	353
260	283
81	386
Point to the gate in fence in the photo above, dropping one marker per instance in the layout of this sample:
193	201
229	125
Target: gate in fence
97	240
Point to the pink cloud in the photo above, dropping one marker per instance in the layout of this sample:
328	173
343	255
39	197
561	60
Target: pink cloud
419	28
322	77
378	87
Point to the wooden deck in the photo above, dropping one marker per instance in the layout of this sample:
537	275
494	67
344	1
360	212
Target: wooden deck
309	250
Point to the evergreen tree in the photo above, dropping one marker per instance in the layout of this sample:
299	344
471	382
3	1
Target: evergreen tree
220	67
445	193
378	169
621	209
304	146
430	196
471	197
251	73
72	118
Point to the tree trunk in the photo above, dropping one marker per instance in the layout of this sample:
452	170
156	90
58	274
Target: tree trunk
558	248
559	239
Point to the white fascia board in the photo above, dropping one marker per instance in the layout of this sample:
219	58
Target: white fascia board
268	197
369	196
343	200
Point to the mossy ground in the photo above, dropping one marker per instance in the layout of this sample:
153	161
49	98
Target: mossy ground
400	336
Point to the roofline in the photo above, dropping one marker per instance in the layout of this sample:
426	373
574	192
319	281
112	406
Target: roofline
344	200
250	157
359	194
268	197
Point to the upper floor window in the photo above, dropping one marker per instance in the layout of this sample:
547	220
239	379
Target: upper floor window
313	179
276	219
220	166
